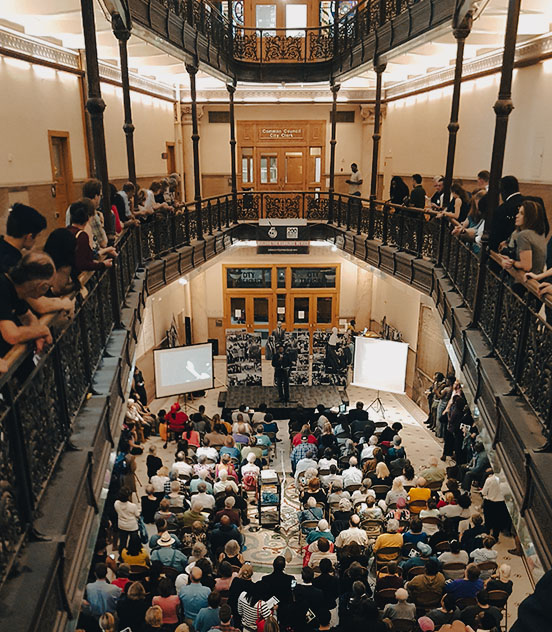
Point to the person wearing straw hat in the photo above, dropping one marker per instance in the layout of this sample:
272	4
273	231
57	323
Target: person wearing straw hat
167	555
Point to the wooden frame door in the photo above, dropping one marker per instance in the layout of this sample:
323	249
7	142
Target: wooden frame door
62	172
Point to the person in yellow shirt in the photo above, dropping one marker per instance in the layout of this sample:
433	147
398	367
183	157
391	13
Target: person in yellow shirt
420	492
135	554
391	539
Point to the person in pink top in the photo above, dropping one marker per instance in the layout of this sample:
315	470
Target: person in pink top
169	602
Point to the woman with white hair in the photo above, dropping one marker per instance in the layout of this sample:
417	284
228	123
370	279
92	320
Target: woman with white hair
391	539
397	491
321	531
311	512
224	482
368	449
402	609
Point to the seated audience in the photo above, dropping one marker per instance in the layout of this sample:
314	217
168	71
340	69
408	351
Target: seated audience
402	609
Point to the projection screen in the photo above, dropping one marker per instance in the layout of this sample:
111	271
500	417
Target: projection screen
183	369
380	364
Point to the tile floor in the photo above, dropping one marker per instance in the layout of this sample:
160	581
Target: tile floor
264	544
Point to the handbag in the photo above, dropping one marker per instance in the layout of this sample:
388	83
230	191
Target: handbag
142	531
260	622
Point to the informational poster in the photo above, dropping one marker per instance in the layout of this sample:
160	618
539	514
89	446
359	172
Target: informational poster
243	358
329	365
298	341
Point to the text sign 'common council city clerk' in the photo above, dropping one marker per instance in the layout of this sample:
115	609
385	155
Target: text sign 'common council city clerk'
281	132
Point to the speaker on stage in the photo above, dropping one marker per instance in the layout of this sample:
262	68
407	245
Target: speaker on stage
188	330
215	343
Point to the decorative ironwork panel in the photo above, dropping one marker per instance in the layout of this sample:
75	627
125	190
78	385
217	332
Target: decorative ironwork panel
378	224
430	239
283	48
149	249
179	229
193	224
10	521
320	45
536	377
471	278
282	207
410	232
364	218
93	326
489	305
393	228
509	329
317	207
248	206
39	412
246	46
73	365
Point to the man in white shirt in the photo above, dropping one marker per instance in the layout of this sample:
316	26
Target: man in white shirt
224	482
259	415
354	181
180	467
304	464
332	477
327	460
206	450
353	534
202	497
352	475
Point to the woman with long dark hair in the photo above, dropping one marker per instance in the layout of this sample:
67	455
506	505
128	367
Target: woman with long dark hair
398	190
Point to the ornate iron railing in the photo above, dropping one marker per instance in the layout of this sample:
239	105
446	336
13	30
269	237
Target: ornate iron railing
202	30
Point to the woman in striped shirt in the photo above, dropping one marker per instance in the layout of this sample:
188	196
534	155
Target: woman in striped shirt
251	607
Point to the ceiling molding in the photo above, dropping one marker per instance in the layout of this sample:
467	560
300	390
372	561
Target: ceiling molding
32	47
527	52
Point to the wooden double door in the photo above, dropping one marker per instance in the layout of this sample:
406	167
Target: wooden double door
281	168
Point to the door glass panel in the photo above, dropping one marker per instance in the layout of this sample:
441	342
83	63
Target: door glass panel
313	277
265	18
269	169
237	311
324	309
301	309
296	18
281	307
248	277
58	158
281	276
247	164
260	310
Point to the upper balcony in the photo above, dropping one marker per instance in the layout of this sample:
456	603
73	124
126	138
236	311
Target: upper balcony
271	50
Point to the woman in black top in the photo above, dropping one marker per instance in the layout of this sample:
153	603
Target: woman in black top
398	190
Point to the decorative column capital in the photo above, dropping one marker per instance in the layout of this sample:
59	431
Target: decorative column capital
191	69
462	30
379	68
186	113
367	113
231	87
334	87
120	29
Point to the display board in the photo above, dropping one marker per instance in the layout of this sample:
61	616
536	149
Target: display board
380	364
297	344
243	358
322	373
183	369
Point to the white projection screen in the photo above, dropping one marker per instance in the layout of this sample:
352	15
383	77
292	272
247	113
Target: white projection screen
380	364
183	369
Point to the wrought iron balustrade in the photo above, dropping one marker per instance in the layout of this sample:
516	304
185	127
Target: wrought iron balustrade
239	50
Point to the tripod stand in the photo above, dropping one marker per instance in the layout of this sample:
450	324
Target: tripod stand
378	406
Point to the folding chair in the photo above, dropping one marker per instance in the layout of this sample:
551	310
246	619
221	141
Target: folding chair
499	599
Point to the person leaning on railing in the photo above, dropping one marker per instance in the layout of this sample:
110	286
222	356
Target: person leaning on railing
31	278
23	226
472	227
526	249
81	212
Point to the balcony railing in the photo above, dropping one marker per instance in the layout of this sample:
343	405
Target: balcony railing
41	400
241	51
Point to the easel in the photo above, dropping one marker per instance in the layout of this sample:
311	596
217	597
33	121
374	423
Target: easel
378	406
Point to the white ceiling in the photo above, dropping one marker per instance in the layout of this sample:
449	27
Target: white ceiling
59	21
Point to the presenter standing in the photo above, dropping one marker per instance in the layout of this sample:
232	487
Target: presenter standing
281	362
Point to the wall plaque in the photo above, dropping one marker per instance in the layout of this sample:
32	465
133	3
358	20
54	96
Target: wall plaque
280	133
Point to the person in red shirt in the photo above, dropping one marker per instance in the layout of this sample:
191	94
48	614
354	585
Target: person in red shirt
177	421
304	430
